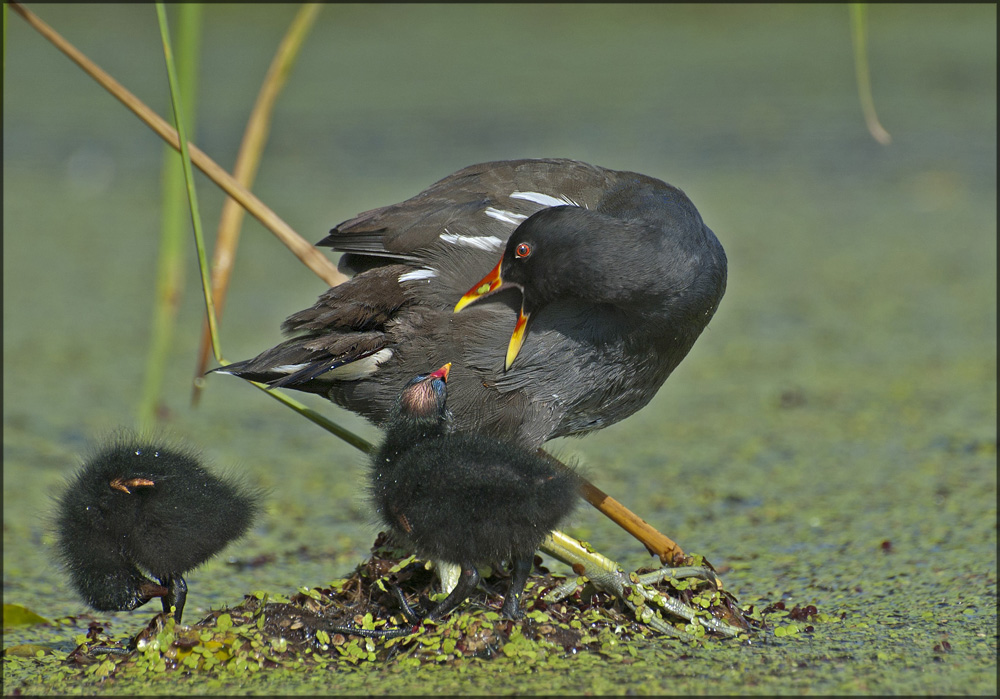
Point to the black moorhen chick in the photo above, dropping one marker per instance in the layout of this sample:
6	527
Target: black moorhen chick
136	508
462	497
616	271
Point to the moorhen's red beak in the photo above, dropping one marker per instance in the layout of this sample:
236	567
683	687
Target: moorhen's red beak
486	286
516	338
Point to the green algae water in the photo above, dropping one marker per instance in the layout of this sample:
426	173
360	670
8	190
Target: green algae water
829	441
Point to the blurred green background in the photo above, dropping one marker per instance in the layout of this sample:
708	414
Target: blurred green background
844	396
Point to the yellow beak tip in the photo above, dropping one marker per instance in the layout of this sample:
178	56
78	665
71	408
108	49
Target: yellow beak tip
514	347
464	301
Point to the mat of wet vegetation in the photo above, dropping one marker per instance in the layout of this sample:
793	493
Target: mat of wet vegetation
313	625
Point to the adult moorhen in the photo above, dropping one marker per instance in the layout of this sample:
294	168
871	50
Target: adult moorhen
621	279
136	508
462	497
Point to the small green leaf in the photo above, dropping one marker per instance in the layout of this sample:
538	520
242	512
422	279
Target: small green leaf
28	650
224	622
17	615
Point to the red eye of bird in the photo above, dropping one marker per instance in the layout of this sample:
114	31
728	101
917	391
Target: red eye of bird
522	250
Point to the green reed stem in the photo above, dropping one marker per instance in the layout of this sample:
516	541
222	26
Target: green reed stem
188	176
859	36
170	266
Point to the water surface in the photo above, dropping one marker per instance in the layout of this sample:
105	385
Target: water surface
843	397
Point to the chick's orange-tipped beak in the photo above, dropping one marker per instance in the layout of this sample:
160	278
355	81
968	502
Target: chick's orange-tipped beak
442	373
487	285
124	485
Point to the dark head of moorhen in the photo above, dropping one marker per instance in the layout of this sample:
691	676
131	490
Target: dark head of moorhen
636	282
138	509
462	497
613	276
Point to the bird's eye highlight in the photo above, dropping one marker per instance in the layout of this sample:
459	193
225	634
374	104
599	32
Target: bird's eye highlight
522	250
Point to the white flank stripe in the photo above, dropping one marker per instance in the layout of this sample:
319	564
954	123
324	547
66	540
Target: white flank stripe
359	369
288	368
483	242
423	273
349	372
505	216
544	199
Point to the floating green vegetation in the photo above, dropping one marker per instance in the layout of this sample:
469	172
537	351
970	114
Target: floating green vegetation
309	628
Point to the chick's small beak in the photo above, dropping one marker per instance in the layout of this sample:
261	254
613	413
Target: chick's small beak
441	373
124	485
487	285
